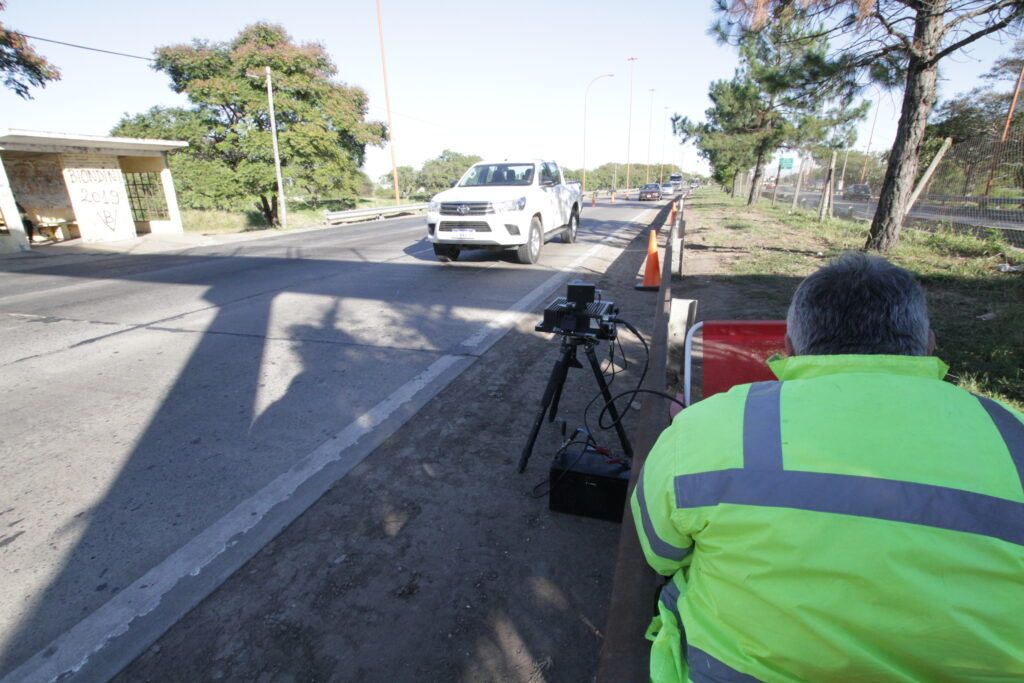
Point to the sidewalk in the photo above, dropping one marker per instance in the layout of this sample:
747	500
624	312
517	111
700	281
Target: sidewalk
75	250
434	559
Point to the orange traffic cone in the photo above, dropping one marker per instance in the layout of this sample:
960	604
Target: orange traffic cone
672	216
652	270
593	199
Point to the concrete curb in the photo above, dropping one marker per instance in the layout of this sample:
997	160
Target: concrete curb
624	655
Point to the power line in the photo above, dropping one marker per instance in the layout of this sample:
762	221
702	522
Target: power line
84	47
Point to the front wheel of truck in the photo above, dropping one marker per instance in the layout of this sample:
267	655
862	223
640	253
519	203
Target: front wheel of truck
530	252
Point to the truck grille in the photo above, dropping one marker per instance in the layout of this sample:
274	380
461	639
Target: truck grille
478	226
472	208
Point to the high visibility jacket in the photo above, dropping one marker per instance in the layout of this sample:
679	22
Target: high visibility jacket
859	520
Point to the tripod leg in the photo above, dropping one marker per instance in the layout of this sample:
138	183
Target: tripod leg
596	367
570	363
555	381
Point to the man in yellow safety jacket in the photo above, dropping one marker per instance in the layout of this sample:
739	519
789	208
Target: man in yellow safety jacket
857	520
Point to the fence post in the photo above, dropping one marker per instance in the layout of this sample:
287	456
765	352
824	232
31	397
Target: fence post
799	180
826	190
927	175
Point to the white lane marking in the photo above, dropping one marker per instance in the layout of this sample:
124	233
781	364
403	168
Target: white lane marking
512	315
71	651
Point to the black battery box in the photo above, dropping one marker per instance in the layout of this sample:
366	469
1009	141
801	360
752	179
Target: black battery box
585	481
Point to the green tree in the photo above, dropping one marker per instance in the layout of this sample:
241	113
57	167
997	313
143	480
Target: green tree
408	181
888	42
763	107
22	67
438	174
321	123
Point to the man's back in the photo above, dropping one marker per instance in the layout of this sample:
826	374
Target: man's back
859	520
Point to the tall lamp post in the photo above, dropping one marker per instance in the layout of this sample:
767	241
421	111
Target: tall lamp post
629	128
585	94
650	128
387	103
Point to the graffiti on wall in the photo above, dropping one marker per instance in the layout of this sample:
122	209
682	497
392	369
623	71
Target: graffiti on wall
98	194
37	184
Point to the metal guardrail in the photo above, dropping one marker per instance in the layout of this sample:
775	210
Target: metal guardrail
381	212
372	214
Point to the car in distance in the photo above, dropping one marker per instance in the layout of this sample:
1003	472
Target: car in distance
857	191
667	190
650	191
504	205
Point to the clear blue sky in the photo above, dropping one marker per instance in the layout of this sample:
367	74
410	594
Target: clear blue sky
495	79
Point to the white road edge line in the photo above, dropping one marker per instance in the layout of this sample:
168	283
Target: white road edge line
71	651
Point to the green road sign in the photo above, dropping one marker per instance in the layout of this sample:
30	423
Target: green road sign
785	162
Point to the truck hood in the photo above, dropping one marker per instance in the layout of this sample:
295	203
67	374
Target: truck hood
485	194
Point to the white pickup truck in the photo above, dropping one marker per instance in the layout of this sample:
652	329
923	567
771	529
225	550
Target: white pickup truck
504	205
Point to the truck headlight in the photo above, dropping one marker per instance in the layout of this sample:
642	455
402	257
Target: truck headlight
511	205
433	207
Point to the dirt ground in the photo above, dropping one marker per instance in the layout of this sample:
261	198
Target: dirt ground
721	239
433	560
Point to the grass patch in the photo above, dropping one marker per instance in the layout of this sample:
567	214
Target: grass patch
976	311
300	215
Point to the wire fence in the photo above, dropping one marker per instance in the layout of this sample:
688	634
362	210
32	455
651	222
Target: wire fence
977	186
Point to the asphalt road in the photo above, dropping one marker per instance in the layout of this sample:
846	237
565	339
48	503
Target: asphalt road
170	413
924	211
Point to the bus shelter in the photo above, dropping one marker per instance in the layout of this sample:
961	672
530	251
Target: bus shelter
95	188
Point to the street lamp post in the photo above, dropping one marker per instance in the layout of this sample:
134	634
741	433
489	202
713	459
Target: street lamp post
650	128
585	94
629	128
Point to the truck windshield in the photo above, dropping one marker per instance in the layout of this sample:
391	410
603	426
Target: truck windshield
498	174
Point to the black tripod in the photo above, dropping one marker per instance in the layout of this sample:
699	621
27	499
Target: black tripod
553	392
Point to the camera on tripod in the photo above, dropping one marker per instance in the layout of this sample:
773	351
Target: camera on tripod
589	482
581	313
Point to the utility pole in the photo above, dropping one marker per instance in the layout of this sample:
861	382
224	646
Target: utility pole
281	204
629	127
387	103
650	129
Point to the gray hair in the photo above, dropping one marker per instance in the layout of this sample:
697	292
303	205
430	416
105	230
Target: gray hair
859	304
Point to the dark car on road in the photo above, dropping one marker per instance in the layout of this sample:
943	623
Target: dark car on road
650	191
857	191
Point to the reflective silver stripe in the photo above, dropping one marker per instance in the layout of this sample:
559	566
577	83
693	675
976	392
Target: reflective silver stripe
894	501
670	599
762	427
1011	429
706	669
661	548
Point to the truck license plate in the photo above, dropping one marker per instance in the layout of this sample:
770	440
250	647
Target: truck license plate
463	233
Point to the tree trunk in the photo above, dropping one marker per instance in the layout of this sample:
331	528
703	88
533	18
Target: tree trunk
918	99
755	184
269	210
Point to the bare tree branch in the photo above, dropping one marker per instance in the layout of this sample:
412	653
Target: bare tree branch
993	7
980	33
907	45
